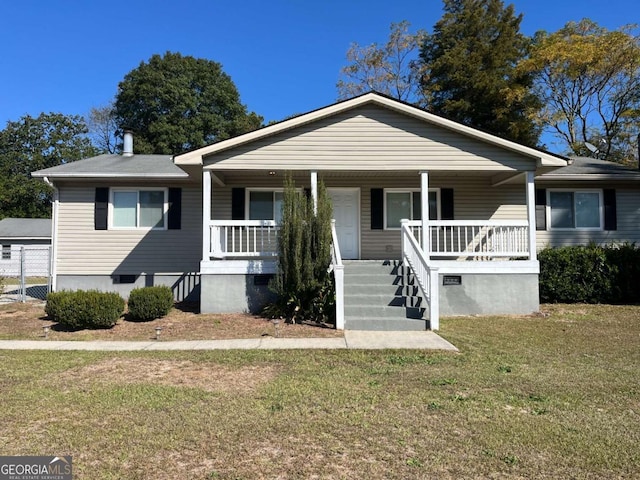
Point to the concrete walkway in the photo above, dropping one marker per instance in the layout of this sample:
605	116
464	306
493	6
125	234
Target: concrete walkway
353	339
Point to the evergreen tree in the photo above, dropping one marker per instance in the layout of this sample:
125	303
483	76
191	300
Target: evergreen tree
470	76
303	283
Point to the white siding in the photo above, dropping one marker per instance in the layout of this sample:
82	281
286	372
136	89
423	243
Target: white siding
474	199
83	250
628	219
369	138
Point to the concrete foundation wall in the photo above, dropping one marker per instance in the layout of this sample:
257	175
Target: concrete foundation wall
186	287
234	293
489	294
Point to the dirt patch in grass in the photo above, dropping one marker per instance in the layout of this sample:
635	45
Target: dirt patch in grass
205	376
25	321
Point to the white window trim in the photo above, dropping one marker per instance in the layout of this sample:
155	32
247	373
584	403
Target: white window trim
408	190
137	190
599	191
247	196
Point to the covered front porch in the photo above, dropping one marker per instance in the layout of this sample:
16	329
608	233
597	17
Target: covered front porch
473	250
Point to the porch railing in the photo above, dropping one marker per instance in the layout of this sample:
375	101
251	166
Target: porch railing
426	274
338	274
243	238
475	238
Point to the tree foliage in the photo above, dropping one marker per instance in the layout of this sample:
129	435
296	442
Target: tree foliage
470	73
31	144
589	81
175	103
391	68
303	283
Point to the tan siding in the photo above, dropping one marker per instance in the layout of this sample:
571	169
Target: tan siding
628	219
369	138
83	250
474	199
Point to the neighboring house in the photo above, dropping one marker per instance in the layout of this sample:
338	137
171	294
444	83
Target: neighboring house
206	221
32	234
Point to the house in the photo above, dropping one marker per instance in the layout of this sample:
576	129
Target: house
206	221
32	235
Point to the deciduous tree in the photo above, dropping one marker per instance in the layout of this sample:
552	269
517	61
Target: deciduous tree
391	68
175	103
589	80
470	74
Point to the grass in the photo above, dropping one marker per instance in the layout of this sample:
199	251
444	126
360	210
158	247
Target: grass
543	397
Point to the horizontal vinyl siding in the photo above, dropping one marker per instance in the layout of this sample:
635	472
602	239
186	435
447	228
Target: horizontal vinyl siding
81	250
474	199
628	219
369	138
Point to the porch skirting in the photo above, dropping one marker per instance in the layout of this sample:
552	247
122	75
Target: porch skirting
233	293
488	294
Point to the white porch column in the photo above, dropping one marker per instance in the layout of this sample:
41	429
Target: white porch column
206	215
424	206
531	214
314	190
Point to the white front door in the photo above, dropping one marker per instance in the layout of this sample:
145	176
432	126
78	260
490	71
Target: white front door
346	211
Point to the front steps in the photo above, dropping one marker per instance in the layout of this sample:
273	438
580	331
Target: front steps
381	295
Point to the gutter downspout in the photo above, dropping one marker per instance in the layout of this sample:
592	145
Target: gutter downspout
54	234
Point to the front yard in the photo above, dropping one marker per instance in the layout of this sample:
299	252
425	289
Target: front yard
554	396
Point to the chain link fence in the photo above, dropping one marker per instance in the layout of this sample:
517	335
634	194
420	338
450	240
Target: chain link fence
25	273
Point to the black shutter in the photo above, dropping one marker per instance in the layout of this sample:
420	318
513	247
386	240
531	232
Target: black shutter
175	209
610	215
377	209
237	204
446	203
101	208
541	209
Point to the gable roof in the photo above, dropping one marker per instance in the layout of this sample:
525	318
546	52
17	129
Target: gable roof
542	158
587	168
117	166
25	228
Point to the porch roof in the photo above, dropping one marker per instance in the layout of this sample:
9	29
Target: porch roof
542	160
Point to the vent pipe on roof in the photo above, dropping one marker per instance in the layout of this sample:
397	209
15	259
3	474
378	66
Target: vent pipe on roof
127	150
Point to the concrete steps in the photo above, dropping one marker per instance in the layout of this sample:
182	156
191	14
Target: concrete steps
381	295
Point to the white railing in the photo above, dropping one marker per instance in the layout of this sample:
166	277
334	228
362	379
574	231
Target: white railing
338	273
475	238
426	274
243	238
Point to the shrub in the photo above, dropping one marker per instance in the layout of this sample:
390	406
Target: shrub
150	302
590	274
85	309
303	284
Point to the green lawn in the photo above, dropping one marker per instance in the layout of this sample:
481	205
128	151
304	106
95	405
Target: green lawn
526	397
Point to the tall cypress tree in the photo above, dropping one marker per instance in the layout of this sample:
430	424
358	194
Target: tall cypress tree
470	63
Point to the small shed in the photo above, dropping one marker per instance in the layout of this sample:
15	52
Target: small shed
32	233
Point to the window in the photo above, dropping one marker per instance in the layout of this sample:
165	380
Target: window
265	205
401	204
579	209
140	208
6	252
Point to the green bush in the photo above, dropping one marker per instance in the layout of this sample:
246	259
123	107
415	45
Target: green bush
590	274
150	302
85	309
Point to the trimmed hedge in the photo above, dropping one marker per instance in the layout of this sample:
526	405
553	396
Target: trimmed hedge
150	302
591	274
85	309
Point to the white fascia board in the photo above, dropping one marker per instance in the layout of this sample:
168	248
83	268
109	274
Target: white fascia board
588	176
81	176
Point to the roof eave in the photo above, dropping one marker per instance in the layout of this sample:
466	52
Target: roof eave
588	176
111	175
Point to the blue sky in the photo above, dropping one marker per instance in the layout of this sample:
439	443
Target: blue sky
284	55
